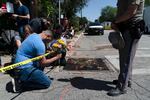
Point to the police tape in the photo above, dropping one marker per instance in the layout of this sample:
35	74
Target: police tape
4	69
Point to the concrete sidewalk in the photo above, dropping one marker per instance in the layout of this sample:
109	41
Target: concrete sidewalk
75	85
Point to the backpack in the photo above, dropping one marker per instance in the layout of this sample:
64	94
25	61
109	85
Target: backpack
8	36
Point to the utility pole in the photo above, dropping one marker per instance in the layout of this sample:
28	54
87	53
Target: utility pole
81	8
81	12
59	12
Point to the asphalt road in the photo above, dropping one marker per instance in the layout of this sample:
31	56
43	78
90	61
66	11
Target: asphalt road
94	46
89	85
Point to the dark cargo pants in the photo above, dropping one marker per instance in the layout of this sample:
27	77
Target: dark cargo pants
126	56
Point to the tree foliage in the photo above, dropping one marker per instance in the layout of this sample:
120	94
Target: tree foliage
75	21
83	21
147	2
71	7
108	13
48	8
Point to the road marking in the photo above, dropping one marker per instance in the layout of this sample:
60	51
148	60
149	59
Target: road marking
114	60
142	71
143	48
116	56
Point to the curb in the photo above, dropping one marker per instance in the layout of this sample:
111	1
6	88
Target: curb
72	44
111	65
104	46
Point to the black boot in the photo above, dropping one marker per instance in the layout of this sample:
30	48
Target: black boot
129	84
116	92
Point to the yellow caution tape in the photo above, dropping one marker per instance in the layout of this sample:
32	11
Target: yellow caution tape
4	69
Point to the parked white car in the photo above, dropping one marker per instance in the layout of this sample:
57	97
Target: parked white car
95	28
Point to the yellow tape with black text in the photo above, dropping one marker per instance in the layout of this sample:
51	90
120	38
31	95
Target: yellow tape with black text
6	68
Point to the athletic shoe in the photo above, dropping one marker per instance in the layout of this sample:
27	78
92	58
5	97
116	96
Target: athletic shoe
16	85
116	92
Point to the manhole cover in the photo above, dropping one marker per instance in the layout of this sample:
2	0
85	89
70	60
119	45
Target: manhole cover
86	64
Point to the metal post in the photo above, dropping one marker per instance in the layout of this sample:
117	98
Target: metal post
81	9
59	12
81	12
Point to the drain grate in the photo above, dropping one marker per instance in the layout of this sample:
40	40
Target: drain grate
86	64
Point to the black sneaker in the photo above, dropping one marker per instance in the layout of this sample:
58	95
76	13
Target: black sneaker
116	92
16	85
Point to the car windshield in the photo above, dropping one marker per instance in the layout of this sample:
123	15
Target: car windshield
94	24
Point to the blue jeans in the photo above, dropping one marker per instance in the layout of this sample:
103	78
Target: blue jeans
21	32
33	78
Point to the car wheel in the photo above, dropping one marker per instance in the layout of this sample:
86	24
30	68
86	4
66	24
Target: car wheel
102	33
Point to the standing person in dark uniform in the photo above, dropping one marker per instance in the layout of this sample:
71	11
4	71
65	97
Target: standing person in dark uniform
22	16
129	21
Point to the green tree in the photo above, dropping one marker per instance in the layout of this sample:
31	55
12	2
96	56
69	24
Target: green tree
83	21
147	2
108	13
75	21
48	8
71	7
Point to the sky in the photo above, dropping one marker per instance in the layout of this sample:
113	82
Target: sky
93	9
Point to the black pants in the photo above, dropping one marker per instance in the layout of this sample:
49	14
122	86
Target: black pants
126	57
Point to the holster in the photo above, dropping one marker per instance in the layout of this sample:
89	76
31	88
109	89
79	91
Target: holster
136	29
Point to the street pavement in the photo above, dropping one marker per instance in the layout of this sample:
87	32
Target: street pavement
90	85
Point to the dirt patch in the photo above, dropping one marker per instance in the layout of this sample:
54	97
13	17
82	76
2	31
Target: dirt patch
86	64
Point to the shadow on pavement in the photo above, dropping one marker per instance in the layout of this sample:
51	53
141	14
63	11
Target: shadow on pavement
88	83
